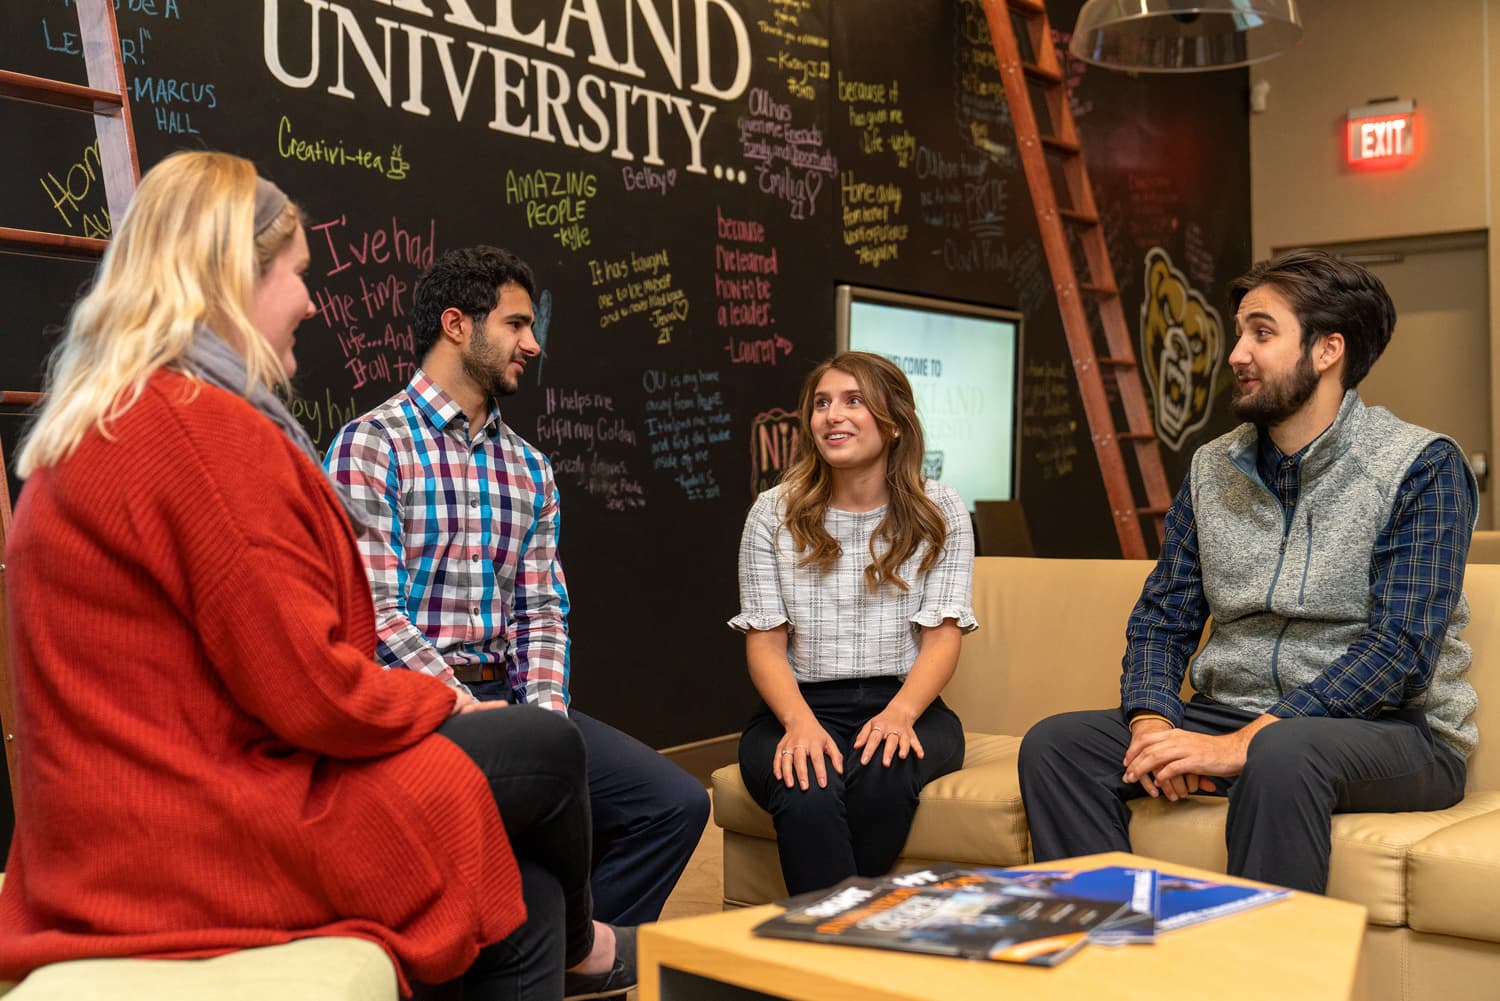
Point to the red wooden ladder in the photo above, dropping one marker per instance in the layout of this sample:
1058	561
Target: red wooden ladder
104	98
1094	282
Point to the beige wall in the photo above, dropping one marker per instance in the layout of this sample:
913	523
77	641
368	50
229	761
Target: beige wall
1439	53
1354	51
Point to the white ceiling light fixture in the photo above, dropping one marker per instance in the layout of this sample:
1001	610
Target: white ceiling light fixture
1183	36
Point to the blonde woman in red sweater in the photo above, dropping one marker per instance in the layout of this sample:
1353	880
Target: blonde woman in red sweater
209	757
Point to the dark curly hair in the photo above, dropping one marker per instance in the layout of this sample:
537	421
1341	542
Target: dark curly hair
467	279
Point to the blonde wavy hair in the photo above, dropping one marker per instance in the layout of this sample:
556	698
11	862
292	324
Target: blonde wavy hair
186	252
911	518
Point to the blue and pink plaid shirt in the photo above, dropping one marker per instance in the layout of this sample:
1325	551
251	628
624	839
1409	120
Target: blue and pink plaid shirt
462	547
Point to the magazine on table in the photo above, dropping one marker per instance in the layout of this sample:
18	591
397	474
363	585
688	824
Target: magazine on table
1034	916
1169	901
1132	891
953	913
1183	901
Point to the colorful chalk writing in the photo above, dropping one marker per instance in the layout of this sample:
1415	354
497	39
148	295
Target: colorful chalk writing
871	219
688	427
791	161
979	99
745	272
773	446
800	58
591	445
167	103
1200	260
555	201
69	189
874	108
1153	202
636	285
965	197
368	272
336	153
1073	69
648	179
323	417
1048	423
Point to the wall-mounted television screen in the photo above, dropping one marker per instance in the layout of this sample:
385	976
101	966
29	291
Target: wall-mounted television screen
964	363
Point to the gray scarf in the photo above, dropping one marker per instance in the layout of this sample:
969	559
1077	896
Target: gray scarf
220	365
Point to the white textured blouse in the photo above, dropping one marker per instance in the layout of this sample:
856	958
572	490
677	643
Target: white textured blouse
836	627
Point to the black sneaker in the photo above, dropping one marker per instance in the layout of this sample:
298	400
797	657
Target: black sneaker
619	979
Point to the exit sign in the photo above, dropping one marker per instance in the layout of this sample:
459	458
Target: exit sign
1382	134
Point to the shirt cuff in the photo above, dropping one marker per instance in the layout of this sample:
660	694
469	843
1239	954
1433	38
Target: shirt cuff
1138	716
1167	705
931	618
759	621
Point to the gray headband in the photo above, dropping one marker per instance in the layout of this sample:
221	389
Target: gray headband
269	203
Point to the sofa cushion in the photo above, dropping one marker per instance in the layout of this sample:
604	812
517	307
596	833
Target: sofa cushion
310	969
1370	850
1453	877
972	816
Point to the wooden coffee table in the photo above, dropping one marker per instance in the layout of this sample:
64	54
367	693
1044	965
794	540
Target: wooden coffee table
1306	946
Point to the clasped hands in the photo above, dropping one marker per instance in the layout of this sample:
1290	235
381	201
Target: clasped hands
1175	763
890	733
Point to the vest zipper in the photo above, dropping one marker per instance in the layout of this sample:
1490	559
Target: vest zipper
1306	564
1287	518
1276	659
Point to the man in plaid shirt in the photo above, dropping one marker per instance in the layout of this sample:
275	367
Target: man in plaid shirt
1327	540
461	552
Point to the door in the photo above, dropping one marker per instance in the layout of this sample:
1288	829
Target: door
1436	370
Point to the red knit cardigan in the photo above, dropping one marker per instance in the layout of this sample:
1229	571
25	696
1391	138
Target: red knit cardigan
209	757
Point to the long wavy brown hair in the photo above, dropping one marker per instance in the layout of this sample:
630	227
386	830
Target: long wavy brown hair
911	517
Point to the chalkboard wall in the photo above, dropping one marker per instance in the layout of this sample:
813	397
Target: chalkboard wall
690	179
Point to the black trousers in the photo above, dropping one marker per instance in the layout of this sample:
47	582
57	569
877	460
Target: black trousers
648	815
858	824
1298	773
534	760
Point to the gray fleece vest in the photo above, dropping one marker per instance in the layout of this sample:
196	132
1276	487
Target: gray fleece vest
1287	601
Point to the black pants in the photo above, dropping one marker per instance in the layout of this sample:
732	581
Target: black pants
534	760
858	824
1298	773
648	816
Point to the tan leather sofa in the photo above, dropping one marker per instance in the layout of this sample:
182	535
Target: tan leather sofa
1050	639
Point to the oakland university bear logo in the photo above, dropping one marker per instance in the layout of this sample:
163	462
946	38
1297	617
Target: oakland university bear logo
1181	342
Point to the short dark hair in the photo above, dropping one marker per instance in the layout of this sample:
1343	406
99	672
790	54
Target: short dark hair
467	279
1329	295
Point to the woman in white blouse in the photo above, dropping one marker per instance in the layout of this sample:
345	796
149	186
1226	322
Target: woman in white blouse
856	576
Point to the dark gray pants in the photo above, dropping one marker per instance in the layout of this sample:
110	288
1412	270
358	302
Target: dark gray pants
535	763
859	822
1298	773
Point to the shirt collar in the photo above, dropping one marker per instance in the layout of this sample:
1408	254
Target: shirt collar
439	408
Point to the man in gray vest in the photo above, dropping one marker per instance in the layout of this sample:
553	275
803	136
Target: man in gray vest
1327	540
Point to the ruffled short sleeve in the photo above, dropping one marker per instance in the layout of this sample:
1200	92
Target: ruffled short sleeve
948	589
761	606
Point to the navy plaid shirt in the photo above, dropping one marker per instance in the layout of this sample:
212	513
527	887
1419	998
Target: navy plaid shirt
1416	578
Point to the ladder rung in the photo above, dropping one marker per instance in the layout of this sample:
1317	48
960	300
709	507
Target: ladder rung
59	244
1136	436
1098	291
1027	7
19	398
57	94
1038	73
1117	362
1061	146
1078	218
1151	512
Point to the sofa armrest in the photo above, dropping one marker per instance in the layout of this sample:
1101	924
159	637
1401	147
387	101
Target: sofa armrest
1453	878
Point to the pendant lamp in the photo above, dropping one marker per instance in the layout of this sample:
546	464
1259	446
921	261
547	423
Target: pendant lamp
1183	36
